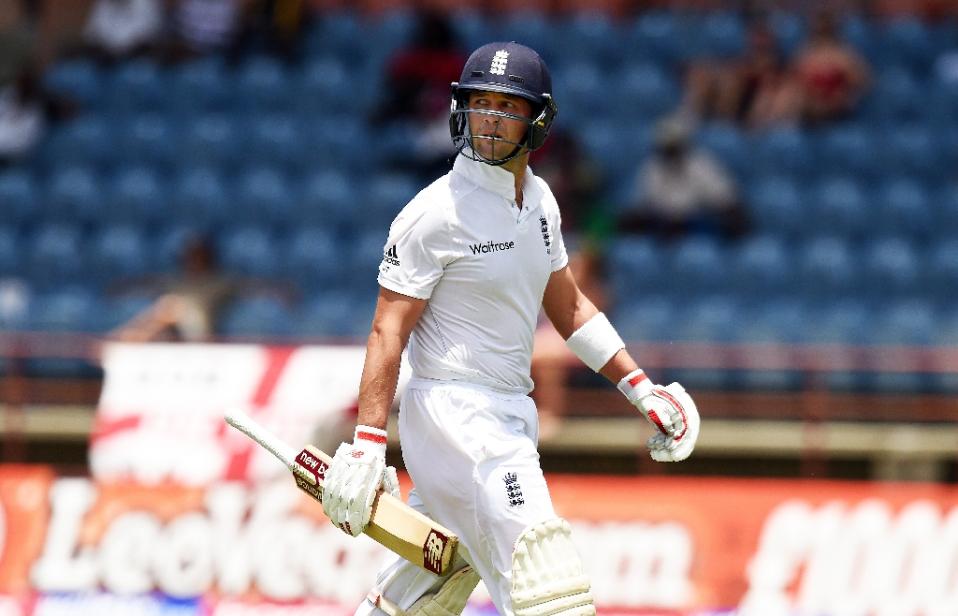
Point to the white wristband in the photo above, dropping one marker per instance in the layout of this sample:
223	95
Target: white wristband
595	342
370	439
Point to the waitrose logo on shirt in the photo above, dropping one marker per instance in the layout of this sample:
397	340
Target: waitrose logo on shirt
491	247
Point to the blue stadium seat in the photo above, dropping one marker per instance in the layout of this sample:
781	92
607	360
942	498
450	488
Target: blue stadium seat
777	206
657	36
68	309
575	85
211	140
263	194
250	251
363	268
11	253
329	199
200	86
769	324
827	269
713	318
80	80
588	35
326	315
605	144
55	255
914	150
261	84
18	194
338	142
907	323
789	29
118	252
908	40
942	271
314	258
635	268
386	194
892	268
256	316
200	197
898	97
946	210
839	206
850	149
532	29
761	268
846	322
136	194
649	318
472	27
903	206
277	139
73	194
698	266
119	310
166	247
339	33
645	90
87	140
325	86
720	34
149	139
137	85
782	151
727	144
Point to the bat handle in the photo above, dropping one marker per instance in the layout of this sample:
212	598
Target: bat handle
266	439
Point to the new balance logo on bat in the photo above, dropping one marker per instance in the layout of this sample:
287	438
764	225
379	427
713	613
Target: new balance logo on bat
432	551
391	256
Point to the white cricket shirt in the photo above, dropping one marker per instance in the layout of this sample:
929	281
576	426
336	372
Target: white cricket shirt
483	264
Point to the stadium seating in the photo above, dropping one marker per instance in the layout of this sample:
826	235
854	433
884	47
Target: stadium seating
854	223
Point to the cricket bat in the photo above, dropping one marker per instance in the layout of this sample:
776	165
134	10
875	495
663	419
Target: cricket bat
393	523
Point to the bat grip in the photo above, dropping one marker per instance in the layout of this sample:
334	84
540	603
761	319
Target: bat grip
266	439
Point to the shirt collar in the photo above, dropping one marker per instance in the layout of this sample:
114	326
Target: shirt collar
497	180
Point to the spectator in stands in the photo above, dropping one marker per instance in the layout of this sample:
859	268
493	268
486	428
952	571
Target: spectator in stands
681	189
201	27
23	117
273	26
119	29
754	90
417	89
17	41
832	77
190	303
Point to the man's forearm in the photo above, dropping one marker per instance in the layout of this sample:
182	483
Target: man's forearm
377	388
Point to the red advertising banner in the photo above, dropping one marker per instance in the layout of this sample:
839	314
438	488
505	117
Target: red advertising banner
652	546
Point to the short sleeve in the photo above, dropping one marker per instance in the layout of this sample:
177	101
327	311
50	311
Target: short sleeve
416	252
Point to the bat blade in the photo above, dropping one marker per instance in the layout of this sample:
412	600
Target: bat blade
393	523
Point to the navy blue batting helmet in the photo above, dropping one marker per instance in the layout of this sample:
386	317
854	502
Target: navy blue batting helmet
509	68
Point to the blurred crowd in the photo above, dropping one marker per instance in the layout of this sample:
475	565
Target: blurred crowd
801	80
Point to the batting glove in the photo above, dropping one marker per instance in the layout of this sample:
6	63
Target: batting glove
356	475
670	410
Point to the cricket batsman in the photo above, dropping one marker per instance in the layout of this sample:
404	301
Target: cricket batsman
466	266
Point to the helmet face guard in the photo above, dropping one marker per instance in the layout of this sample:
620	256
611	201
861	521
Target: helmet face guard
537	129
508	68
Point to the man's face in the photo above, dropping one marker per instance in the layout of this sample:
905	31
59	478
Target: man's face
497	136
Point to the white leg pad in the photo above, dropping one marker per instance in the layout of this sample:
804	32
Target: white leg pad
547	574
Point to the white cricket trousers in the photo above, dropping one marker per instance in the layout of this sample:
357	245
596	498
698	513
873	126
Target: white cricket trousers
471	453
